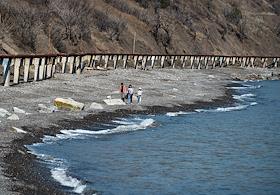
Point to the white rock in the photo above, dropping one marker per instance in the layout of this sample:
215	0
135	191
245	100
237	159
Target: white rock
4	112
112	102
95	106
13	117
18	130
42	106
18	110
70	104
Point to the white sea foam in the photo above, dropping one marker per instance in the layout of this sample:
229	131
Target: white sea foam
125	128
172	114
60	175
82	133
122	122
244	96
254	103
226	109
246	87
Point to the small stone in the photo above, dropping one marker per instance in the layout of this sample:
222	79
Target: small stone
18	130
13	117
18	110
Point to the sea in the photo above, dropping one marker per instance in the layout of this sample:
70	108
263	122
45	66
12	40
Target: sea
226	150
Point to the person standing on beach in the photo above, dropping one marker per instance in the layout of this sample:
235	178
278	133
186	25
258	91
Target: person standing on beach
123	91
139	95
129	94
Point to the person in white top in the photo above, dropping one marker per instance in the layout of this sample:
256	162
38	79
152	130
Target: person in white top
139	95
129	94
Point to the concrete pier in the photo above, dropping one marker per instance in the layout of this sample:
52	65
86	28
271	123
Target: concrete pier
45	66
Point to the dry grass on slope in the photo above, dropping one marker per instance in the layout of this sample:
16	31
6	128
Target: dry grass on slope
161	26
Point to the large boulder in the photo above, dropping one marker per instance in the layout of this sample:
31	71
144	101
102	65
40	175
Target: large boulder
112	102
68	104
96	106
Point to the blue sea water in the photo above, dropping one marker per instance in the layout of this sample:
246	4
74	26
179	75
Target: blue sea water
230	150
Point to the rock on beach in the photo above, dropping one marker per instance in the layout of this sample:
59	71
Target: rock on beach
68	104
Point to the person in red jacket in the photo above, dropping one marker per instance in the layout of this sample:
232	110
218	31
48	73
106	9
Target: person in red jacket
123	91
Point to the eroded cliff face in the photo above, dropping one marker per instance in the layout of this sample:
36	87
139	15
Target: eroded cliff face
231	27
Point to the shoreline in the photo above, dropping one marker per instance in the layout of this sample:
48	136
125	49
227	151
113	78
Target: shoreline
40	180
29	176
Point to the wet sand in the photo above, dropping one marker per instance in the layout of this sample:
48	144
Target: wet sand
164	90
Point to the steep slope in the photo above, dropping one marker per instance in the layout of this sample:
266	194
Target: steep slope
250	27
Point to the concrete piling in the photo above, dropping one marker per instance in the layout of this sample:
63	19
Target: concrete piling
45	65
17	64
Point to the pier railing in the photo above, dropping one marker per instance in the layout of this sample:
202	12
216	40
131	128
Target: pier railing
15	69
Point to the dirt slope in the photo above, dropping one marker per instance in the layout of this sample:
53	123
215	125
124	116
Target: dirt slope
250	27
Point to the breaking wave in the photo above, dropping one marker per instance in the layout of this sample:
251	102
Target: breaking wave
60	175
172	114
124	127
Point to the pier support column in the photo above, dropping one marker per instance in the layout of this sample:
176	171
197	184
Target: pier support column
93	61
173	61
221	60
162	61
233	61
48	68
206	60
54	64
115	59
198	61
16	70
184	61
276	63
70	64
153	61
135	58
42	68
27	62
212	62
78	65
106	59
252	62
7	71
144	62
36	63
125	57
63	63
264	62
227	61
192	62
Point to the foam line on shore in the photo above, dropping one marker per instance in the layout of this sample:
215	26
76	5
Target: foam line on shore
60	175
124	127
173	114
246	87
59	171
244	96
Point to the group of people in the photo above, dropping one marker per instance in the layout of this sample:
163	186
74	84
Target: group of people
127	93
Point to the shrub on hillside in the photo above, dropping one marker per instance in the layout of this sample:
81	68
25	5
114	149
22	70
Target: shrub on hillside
233	15
124	7
276	7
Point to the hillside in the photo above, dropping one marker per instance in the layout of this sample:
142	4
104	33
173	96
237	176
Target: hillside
241	27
